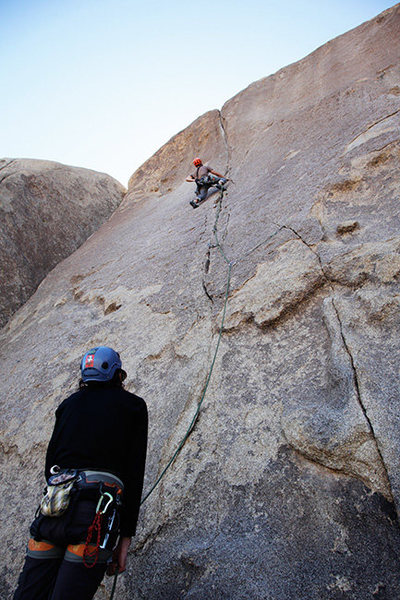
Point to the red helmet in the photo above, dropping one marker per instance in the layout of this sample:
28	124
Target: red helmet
197	162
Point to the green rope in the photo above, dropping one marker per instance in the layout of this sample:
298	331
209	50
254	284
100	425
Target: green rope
221	327
203	395
114	584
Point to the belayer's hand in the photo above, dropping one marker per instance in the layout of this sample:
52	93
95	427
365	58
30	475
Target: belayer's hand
119	556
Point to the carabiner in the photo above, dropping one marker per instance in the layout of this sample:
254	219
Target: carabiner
111	499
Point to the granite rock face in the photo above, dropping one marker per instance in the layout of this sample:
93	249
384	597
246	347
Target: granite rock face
47	210
289	485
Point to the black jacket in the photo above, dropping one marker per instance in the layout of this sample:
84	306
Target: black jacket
104	429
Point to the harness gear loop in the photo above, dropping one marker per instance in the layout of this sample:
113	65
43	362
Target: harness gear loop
91	553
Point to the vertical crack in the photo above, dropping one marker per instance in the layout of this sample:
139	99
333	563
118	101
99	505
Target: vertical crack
215	244
225	139
218	206
207	293
206	269
218	203
354	370
360	402
207	263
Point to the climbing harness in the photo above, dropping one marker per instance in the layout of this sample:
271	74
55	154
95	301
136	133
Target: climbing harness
95	550
207	181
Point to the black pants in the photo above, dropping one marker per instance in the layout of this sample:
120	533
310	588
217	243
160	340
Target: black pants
54	568
58	579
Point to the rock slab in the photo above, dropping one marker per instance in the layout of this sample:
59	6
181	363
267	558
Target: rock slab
288	487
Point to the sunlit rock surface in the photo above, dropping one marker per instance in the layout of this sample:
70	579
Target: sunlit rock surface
288	487
47	210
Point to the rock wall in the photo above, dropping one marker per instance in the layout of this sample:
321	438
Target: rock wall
288	487
47	210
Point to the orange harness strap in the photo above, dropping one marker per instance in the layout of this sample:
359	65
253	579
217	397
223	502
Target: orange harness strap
76	553
44	549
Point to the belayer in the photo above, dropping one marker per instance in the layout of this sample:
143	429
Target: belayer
94	470
205	177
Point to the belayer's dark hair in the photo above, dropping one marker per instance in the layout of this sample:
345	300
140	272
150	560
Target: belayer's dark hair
116	381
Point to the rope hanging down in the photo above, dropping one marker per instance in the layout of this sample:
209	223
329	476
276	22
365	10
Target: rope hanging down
221	327
203	395
196	414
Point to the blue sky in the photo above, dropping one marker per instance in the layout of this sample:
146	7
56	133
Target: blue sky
103	84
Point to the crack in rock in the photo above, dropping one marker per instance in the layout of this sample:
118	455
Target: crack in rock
377	128
359	399
276	289
7	164
8	174
353	367
225	139
314	459
206	270
218	205
328	280
207	293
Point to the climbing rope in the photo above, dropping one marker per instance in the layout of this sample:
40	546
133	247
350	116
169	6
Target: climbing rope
114	585
197	412
230	264
203	395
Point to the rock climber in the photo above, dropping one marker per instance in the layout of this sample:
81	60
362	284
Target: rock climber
94	470
205	177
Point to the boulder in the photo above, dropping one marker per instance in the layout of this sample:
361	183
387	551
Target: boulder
47	210
277	310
